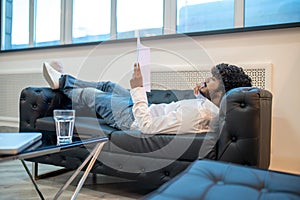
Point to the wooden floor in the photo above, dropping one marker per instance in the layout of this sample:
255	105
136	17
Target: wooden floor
15	184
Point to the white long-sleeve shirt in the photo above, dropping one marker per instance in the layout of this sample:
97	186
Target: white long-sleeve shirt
185	116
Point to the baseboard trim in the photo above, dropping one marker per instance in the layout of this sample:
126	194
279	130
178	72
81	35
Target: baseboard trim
9	121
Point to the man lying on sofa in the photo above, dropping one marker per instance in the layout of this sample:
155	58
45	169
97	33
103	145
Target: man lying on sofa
124	109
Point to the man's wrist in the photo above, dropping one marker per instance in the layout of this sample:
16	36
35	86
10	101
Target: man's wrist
138	94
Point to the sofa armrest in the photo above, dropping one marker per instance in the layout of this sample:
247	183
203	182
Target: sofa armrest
38	102
245	127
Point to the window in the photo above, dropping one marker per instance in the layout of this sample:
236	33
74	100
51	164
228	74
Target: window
204	15
16	33
43	23
48	20
91	20
143	15
267	12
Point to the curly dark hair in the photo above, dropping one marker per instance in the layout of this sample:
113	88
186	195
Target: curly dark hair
231	75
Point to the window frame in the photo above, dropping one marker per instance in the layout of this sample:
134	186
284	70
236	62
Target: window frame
169	25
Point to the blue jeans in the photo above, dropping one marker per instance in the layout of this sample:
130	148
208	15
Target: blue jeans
108	100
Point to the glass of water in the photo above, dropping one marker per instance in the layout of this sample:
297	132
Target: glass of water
64	123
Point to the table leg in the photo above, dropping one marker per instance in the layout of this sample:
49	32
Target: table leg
92	158
87	171
32	180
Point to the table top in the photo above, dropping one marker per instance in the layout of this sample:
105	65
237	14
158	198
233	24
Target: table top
44	147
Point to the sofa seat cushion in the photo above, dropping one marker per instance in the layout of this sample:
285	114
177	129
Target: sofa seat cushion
206	179
187	147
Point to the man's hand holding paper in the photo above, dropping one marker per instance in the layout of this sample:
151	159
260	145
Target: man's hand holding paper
143	59
137	78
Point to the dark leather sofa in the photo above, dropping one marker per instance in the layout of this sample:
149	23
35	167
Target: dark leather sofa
244	136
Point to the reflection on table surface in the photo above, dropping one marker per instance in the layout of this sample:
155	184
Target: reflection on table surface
48	145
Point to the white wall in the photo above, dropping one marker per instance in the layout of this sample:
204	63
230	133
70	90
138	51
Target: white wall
282	48
114	61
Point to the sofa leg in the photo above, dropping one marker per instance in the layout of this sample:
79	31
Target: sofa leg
36	175
94	178
35	166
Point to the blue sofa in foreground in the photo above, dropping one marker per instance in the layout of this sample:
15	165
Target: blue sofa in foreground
215	180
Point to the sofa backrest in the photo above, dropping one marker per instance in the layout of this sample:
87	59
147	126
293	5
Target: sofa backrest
167	96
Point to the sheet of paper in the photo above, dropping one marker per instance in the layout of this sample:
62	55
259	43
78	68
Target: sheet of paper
143	58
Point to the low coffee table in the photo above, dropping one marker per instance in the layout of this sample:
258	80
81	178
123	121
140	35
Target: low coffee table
45	147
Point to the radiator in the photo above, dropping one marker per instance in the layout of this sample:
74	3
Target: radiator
185	77
12	82
11	85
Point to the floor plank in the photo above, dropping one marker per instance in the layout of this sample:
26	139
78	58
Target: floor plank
15	184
